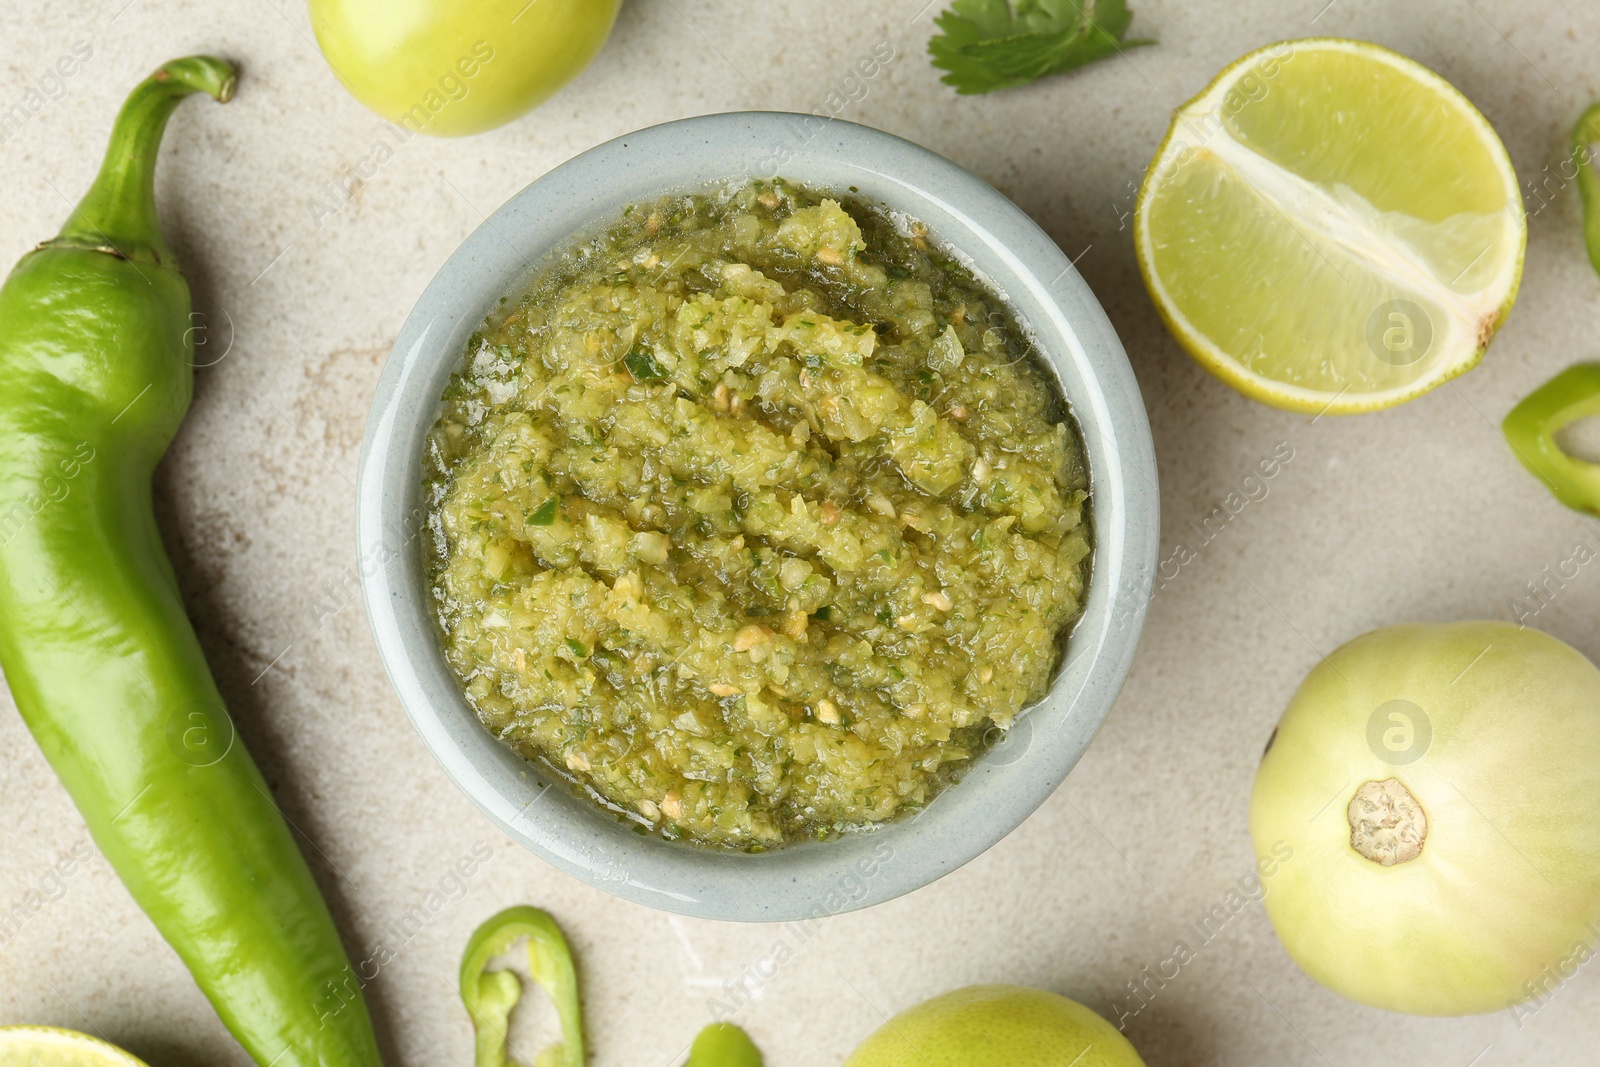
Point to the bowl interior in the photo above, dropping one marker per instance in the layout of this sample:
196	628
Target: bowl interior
1001	245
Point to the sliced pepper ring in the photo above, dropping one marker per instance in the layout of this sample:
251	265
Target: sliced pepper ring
1531	430
490	995
1585	142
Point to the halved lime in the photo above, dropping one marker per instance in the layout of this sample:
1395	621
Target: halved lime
50	1046
1331	227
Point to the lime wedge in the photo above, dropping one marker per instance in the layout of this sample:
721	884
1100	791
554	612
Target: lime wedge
1331	227
49	1046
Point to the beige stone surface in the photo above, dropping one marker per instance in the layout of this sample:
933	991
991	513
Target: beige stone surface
1416	513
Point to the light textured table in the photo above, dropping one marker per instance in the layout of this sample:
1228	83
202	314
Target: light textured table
1416	513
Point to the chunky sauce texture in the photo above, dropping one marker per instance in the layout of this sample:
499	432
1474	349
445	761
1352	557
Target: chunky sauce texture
754	517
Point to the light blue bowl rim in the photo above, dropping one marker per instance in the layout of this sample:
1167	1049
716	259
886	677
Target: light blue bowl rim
1004	246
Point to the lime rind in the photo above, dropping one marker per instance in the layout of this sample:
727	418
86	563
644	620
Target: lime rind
53	1046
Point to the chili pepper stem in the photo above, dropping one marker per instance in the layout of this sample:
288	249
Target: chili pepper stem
118	214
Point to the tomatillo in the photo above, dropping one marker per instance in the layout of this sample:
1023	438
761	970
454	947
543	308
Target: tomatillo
1439	786
457	68
996	1026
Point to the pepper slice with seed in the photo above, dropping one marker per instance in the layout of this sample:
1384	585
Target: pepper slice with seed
490	995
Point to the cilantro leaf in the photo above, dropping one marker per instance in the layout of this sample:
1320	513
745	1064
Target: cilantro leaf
643	366
986	45
544	515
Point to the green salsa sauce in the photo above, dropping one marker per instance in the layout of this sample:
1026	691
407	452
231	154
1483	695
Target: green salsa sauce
754	517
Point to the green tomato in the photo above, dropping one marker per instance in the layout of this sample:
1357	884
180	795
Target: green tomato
996	1026
460	67
1428	816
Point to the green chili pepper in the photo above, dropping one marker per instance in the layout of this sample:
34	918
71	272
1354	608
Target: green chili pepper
1585	139
490	995
1531	430
96	356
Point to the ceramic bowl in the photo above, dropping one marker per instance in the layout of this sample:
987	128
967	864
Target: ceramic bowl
1004	247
